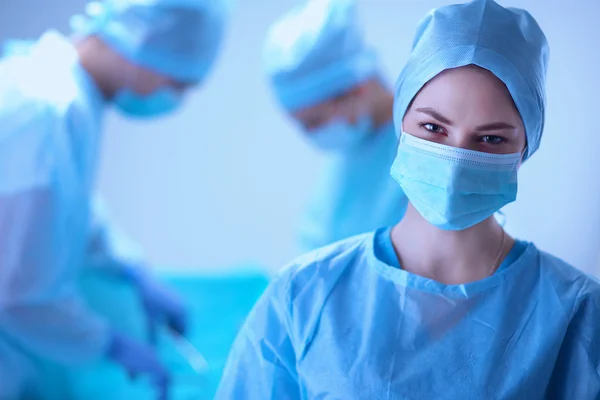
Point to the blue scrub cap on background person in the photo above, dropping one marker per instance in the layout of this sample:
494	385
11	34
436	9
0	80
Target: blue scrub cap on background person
177	38
317	51
506	41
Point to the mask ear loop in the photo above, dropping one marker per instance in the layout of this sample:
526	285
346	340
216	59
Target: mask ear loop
500	215
500	218
523	153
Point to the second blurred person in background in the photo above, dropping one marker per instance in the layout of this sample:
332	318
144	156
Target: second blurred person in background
328	80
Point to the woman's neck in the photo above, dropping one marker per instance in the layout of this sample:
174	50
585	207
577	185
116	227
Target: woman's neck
450	257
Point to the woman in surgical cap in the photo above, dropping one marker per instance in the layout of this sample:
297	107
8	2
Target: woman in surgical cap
446	305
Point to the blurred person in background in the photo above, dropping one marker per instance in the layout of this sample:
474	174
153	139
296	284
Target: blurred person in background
445	304
328	80
139	56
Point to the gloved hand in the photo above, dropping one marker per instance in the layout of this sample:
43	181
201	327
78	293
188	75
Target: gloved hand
162	305
139	359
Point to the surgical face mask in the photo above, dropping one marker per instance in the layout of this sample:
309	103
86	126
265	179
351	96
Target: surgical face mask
454	188
339	135
160	102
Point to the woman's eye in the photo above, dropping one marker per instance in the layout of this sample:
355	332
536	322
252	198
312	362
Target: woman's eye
433	128
492	139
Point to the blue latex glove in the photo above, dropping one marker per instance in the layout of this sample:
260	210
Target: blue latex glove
139	359
162	304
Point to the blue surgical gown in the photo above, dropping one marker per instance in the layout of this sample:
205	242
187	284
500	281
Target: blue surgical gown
355	193
50	133
346	322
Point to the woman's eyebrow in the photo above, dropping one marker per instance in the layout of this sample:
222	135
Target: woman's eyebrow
496	126
434	114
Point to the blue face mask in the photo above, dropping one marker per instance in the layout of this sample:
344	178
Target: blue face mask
454	188
339	135
162	101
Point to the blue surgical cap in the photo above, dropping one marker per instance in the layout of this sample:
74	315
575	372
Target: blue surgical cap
506	41
177	38
317	51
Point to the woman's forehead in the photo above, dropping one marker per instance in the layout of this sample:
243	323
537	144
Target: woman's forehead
467	91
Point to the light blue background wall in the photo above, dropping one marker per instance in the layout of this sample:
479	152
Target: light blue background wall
224	181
